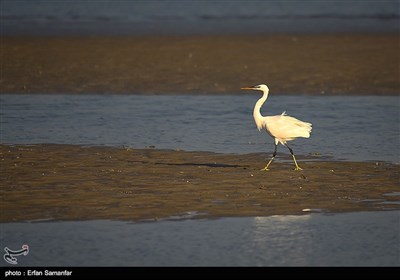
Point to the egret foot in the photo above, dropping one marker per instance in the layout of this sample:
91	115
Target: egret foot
269	162
294	160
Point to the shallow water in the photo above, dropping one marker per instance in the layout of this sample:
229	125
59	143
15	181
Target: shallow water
352	239
353	128
211	17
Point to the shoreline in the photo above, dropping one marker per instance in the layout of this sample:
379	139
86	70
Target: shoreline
333	64
55	182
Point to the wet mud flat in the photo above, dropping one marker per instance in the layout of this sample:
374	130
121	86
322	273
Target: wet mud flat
303	64
70	182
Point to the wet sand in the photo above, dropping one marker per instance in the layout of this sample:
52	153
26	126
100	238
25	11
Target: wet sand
67	182
297	64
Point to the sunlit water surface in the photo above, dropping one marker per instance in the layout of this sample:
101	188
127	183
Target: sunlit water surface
352	239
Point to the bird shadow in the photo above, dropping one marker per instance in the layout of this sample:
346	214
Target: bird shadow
211	165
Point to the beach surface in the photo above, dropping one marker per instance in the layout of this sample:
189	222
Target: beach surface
289	64
70	182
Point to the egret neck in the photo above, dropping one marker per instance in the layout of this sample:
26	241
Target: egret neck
257	109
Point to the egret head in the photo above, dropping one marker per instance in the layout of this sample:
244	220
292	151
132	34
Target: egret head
261	87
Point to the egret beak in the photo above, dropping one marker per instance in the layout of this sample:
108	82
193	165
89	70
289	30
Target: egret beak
247	88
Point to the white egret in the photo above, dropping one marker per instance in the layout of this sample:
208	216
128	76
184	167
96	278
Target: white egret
282	128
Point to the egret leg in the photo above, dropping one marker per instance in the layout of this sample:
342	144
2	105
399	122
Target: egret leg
270	161
294	159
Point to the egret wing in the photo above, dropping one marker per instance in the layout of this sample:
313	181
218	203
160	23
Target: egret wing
287	128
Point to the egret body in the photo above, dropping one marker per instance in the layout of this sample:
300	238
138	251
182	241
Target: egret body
282	128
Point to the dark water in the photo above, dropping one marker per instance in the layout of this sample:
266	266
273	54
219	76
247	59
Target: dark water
353	128
352	239
196	16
